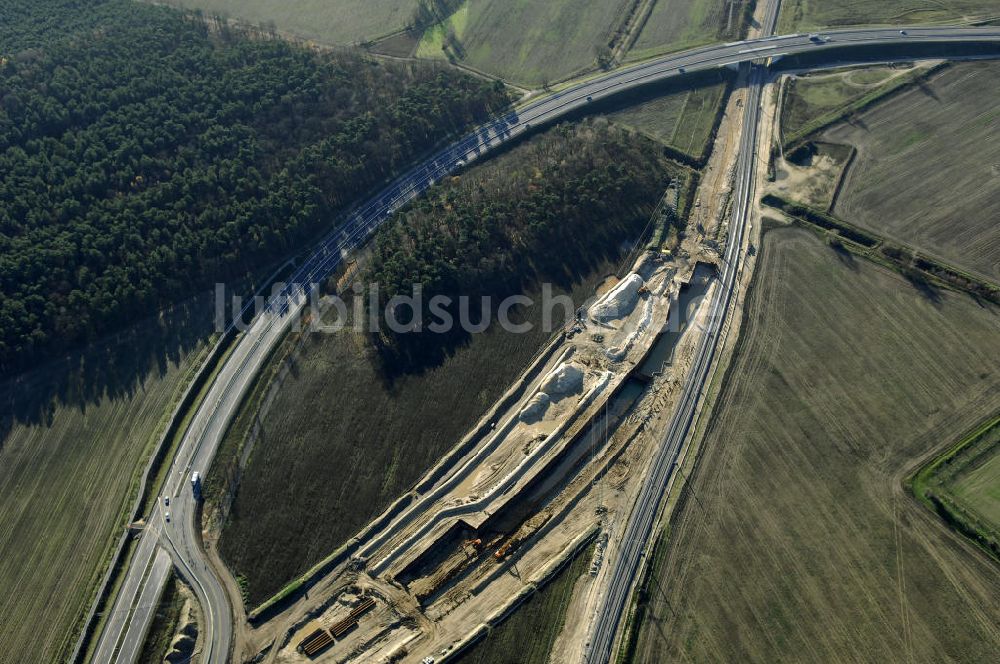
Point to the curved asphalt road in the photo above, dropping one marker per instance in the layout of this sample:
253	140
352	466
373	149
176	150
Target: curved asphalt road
143	581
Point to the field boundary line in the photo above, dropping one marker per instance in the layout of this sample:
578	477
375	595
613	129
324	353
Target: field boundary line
884	93
871	246
839	188
949	512
642	11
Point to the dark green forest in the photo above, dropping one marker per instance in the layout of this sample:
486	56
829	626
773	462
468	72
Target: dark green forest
553	211
145	154
565	205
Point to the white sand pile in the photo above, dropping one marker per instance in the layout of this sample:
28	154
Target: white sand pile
535	409
563	380
619	301
618	353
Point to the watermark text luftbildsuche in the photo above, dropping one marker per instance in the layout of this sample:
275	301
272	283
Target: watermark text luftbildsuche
407	314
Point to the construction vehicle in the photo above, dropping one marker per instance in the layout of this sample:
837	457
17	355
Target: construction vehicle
527	529
472	546
505	548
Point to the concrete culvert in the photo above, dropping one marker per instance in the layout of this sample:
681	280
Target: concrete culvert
181	651
184	644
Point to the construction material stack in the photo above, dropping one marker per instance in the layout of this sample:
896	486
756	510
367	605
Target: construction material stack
315	642
323	638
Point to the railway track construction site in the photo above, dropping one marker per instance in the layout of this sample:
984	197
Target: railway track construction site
484	532
560	460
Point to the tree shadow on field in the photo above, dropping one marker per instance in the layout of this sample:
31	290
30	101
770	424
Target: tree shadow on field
117	366
927	89
926	289
844	255
409	354
856	120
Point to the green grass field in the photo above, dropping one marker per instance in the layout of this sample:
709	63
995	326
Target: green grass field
681	120
797	541
528	636
432	42
963	486
326	21
812	14
675	25
980	488
66	483
927	172
816	100
528	41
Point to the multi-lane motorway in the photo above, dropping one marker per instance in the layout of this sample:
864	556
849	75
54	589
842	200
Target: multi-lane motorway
178	534
134	603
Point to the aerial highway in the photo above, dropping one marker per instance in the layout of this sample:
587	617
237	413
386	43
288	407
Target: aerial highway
175	528
179	537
